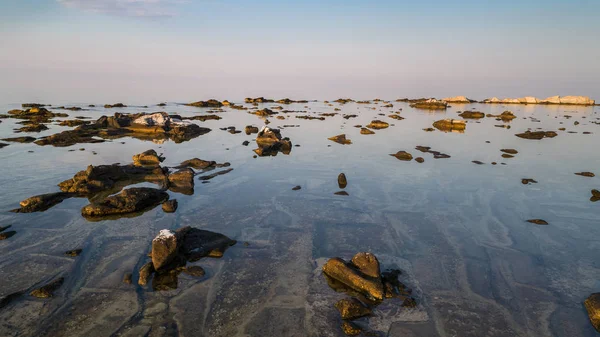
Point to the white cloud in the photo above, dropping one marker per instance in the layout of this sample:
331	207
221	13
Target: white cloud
136	8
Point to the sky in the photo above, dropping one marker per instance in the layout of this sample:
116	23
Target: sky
149	51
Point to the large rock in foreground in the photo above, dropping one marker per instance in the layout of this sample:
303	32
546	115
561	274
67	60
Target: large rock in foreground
357	278
164	248
132	200
592	305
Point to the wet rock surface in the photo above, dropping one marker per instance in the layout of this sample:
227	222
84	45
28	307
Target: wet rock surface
132	200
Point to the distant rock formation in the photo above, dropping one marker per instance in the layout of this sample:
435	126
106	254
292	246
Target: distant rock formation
565	100
458	99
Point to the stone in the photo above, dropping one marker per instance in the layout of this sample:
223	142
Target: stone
127	278
429	104
249	129
537	221
350	329
211	103
536	135
377	124
136	199
48	290
343	193
351	309
170	206
527	181
182	181
338	270
419	160
116	105
198	243
472	114
340	139
296	188
342	181
7	235
509	151
197	163
365	131
568	100
147	158
592	305
586	174
40	203
450	125
216	174
146	272
25	139
74	252
165	246
402	155
367	263
458	99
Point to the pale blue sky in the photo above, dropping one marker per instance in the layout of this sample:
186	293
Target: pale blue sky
144	51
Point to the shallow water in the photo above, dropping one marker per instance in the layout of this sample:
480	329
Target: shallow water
457	230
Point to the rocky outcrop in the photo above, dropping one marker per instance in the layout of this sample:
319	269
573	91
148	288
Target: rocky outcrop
402	155
136	199
472	114
211	103
147	158
458	99
270	142
537	135
377	124
430	104
40	203
564	100
340	139
450	125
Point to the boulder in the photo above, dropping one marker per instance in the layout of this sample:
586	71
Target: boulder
165	247
147	158
352	277
136	199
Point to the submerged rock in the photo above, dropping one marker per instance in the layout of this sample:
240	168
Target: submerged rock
595	195
537	135
195	271
506	116
592	305
538	221
340	139
216	174
147	158
351	308
136	199
48	290
296	188
3	145
116	105
402	155
344	193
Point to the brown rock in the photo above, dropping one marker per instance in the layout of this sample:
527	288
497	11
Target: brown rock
592	305
472	114
350	329
338	270
73	252
509	151
377	124
147	158
195	271
40	203
196	163
145	273
49	289
367	263
131	200
340	139
127	278
538	221
586	174
402	155
419	159
351	308
165	247
170	206
365	131
342	181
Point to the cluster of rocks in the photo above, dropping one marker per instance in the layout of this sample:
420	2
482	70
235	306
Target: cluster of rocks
172	250
270	142
565	100
362	279
155	126
99	183
429	104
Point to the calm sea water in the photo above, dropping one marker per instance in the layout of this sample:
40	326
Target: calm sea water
457	230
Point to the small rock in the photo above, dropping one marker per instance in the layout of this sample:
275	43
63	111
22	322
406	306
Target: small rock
342	181
6	235
165	247
340	139
344	193
145	273
538	221
48	290
365	131
351	308
527	181
586	174
295	188
592	305
419	159
74	252
351	329
170	206
127	278
402	155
